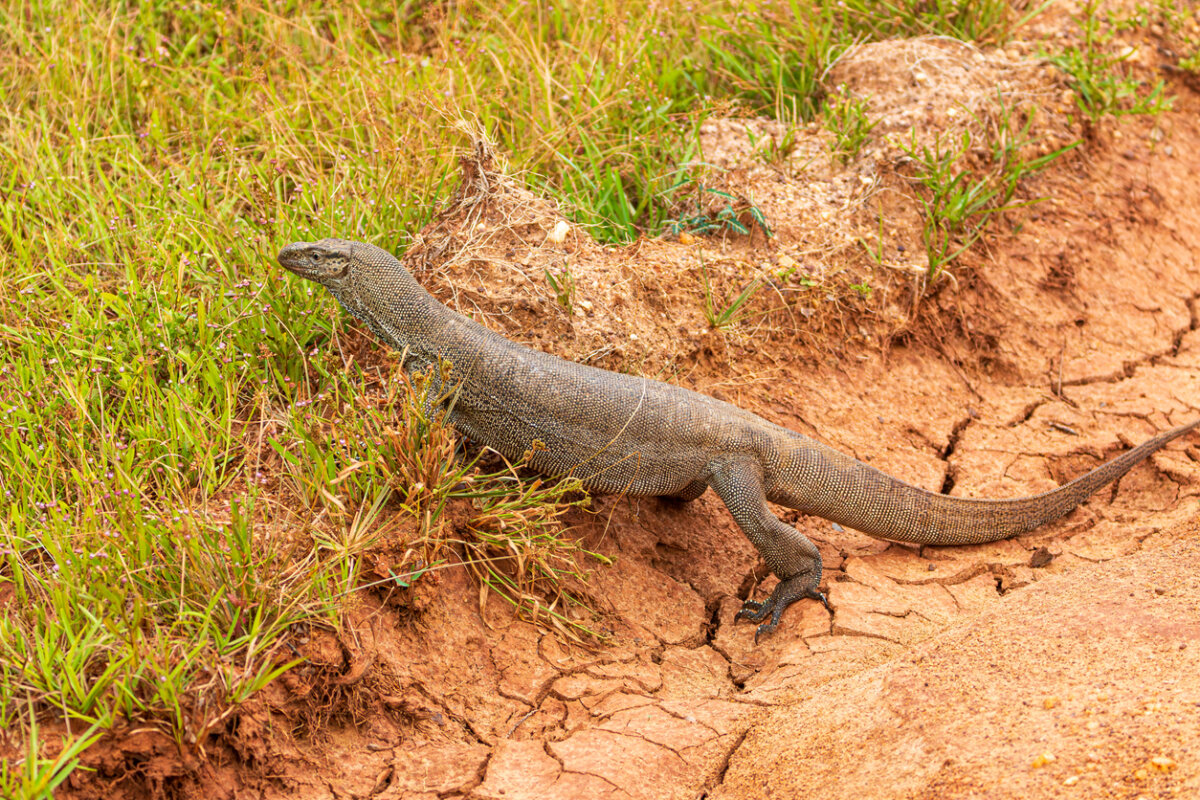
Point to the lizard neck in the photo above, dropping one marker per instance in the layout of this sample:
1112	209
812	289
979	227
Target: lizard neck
407	318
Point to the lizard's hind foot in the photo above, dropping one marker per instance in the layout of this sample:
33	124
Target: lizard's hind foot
786	592
753	611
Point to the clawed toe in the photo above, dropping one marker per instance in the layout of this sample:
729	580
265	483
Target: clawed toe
824	600
753	611
765	628
786	592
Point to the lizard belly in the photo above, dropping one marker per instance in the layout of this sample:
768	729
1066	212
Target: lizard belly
618	433
608	459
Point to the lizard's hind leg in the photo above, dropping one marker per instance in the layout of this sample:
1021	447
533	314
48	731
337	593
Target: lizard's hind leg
690	492
788	553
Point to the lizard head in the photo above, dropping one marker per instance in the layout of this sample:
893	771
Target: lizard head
367	280
327	262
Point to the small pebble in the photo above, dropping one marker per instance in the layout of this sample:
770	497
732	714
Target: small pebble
560	232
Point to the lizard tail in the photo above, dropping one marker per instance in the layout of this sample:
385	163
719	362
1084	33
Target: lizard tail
821	481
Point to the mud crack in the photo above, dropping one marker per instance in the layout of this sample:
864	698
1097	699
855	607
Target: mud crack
1129	368
719	778
1193	304
951	444
563	770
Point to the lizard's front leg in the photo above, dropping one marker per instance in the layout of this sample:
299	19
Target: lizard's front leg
788	553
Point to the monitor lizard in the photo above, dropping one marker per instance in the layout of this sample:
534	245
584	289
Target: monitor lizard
637	436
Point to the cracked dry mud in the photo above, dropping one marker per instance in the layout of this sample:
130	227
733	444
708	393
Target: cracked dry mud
1065	660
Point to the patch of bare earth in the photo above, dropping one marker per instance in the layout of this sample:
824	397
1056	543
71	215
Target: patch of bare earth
1066	657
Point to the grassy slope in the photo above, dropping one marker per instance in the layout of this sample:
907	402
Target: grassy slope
171	406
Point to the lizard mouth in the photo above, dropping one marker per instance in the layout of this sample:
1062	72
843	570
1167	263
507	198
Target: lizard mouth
297	258
312	261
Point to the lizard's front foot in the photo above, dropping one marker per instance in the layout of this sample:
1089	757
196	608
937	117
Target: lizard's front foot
786	592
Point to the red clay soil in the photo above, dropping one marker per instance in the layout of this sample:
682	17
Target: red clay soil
1062	663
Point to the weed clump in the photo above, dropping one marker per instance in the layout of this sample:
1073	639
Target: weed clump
397	452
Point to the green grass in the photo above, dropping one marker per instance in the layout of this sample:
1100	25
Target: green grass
193	463
985	21
846	118
724	312
32	777
959	200
149	618
1102	85
717	212
562	283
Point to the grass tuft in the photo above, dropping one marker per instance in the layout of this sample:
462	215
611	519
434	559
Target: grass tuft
1101	83
34	777
846	118
362	453
958	199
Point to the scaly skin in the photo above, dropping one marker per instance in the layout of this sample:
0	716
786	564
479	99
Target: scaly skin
636	436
